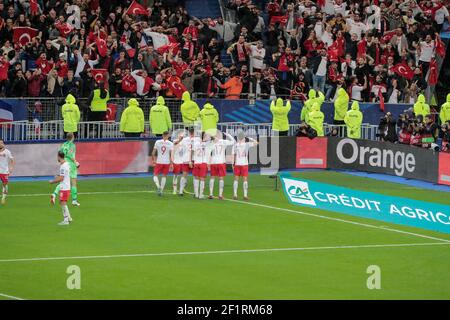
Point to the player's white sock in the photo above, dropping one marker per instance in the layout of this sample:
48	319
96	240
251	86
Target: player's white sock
202	187
175	183
245	184
235	187
66	213
196	187
156	180
163	183
221	184
4	192
182	182
211	186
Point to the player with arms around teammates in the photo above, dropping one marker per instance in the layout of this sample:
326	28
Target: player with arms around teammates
7	163
69	149
182	160
240	150
162	160
217	163
200	158
63	180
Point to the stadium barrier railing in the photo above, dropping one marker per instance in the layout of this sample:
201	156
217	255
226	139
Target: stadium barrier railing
54	130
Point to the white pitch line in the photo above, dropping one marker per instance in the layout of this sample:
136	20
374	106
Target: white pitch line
82	193
225	252
259	205
10	297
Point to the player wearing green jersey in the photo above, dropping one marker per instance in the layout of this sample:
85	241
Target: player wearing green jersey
69	150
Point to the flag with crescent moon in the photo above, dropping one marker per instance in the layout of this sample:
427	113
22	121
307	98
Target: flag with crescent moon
136	9
176	86
99	75
403	70
23	35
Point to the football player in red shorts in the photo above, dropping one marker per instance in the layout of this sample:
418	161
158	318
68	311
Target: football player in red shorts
181	160
218	165
241	148
162	159
7	163
64	187
200	159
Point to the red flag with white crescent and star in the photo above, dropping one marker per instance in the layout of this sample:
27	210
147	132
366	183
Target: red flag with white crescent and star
101	47
23	35
99	75
136	9
176	86
403	70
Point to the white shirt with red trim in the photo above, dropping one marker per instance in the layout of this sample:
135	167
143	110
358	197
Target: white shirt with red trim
163	148
200	149
182	151
64	171
5	157
218	151
241	151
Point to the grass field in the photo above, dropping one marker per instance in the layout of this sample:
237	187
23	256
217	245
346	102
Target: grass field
131	244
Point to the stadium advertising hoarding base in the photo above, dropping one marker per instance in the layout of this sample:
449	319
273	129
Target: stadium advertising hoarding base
383	157
408	212
113	157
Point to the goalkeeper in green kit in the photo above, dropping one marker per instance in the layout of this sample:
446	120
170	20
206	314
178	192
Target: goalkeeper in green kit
69	150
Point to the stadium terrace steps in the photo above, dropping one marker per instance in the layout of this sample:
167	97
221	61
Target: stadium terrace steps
203	9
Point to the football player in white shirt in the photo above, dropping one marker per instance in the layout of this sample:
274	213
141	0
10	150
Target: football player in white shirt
7	163
182	160
217	163
200	159
162	159
64	187
240	149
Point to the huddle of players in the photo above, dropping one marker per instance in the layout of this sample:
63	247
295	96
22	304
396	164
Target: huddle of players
196	154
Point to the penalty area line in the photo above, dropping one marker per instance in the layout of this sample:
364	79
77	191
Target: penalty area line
226	252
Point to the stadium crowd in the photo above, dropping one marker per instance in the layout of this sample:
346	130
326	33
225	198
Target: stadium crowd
373	49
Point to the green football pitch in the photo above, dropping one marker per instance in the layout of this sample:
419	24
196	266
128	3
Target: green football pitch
128	243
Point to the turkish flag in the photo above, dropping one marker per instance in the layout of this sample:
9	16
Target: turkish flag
23	35
440	47
281	19
136	9
403	70
432	73
176	86
171	46
388	36
101	46
64	28
99	75
129	84
34	7
111	112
